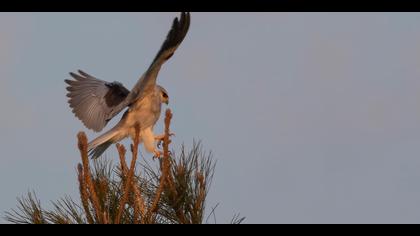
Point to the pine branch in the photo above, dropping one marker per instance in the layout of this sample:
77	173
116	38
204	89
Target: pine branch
172	191
83	143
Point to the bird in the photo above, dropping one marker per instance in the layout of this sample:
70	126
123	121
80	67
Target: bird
95	102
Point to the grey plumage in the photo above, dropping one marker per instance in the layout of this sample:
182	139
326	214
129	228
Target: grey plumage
96	101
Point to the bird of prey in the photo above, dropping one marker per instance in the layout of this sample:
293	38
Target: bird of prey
95	102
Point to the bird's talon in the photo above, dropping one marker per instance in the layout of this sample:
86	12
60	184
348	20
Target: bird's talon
159	143
160	139
157	154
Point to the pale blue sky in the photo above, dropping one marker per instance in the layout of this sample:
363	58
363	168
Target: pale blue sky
312	117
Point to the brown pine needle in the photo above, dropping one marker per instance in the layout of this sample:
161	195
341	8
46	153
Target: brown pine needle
84	194
82	144
139	204
121	154
134	148
165	167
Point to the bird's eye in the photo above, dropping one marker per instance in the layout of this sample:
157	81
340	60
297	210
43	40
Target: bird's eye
165	95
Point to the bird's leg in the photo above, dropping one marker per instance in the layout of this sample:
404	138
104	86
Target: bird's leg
159	154
160	138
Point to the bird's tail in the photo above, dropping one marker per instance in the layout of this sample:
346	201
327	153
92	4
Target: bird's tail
98	146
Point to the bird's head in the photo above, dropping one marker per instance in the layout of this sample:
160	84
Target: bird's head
163	95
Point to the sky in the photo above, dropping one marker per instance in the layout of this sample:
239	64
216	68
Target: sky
312	117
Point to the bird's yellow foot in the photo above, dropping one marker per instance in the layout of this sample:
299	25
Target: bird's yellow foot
160	138
157	154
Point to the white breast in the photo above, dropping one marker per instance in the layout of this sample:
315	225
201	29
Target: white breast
146	112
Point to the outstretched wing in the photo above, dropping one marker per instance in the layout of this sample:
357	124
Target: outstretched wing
174	38
95	101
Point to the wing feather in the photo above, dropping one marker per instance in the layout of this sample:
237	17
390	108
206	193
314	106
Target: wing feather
95	101
173	39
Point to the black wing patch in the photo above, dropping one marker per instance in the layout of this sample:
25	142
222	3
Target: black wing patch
95	101
116	94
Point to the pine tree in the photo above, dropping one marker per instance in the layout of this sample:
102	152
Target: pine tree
174	192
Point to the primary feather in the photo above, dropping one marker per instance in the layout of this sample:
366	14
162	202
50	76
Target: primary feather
94	101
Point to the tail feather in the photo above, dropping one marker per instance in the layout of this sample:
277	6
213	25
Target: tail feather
98	146
99	150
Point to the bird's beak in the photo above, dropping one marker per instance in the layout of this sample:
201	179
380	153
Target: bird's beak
167	102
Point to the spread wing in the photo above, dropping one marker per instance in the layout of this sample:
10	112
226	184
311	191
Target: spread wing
95	101
174	38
